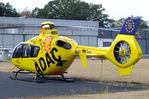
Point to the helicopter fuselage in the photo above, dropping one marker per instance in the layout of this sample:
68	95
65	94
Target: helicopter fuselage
46	54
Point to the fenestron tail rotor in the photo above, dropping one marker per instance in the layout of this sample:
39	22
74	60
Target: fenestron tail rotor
122	52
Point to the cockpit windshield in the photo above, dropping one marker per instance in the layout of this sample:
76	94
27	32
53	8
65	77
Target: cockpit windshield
25	51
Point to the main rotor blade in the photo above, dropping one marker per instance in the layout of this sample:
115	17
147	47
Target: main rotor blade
92	28
57	26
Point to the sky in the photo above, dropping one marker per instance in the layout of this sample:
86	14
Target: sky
116	9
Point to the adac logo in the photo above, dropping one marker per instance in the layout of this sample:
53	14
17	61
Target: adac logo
129	26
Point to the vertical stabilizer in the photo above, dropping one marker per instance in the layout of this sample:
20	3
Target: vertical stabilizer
130	26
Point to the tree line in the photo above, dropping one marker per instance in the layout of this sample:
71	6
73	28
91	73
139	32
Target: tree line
67	9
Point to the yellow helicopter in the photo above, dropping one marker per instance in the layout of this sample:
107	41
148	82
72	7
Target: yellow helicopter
52	54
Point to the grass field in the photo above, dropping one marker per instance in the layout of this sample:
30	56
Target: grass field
108	72
101	71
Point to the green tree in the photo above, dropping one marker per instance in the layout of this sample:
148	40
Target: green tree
27	13
73	10
143	24
36	12
7	10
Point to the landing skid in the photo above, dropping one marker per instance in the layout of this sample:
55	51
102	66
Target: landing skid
67	79
62	78
28	80
39	78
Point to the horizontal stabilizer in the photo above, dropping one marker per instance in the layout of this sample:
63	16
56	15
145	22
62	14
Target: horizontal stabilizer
125	71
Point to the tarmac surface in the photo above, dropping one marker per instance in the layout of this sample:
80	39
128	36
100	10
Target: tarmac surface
14	88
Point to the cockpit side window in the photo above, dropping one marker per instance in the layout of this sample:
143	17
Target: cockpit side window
34	51
26	51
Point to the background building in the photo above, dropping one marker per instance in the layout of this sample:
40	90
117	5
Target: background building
14	30
17	29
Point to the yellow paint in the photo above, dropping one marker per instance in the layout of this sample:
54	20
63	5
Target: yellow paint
50	51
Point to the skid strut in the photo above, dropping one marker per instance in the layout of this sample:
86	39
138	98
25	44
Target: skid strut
39	78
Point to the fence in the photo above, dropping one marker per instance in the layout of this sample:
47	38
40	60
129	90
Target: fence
11	40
